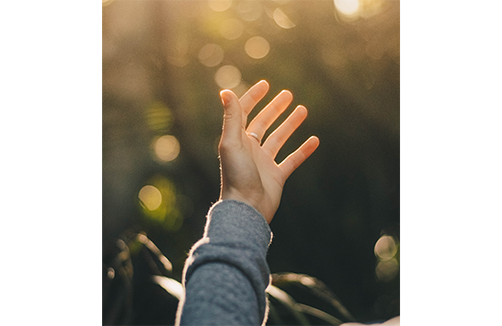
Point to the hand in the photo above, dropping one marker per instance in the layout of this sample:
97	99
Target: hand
249	172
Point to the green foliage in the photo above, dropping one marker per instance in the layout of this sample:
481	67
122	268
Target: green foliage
134	267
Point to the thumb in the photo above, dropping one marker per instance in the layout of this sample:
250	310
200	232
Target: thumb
232	117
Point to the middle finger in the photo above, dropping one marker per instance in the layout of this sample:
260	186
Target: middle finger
270	113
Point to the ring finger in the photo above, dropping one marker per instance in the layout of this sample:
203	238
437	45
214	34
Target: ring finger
277	139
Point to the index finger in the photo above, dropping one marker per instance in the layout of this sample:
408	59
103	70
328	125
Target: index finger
254	95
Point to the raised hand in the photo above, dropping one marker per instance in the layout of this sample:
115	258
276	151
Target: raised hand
249	172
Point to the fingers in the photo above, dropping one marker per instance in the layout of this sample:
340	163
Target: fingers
277	139
270	113
254	95
232	117
295	159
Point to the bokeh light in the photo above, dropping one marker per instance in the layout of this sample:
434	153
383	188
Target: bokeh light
211	55
386	249
166	148
257	47
386	270
353	9
249	10
282	19
219	5
150	197
228	77
347	7
158	117
159	202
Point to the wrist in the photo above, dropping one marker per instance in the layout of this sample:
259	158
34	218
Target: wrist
241	199
254	203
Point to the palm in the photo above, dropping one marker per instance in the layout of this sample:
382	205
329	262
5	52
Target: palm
271	177
249	171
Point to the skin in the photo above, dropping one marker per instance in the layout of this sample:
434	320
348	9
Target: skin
249	172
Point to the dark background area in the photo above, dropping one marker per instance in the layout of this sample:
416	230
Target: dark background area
158	81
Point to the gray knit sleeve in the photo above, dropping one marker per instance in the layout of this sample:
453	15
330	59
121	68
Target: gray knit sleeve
226	273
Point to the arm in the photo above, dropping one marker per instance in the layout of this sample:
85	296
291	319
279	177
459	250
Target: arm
226	273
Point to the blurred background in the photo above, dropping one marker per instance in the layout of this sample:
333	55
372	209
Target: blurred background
164	63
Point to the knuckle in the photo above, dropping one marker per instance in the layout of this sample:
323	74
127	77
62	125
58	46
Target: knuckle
227	145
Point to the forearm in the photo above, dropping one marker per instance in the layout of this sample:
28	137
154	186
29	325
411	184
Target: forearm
226	273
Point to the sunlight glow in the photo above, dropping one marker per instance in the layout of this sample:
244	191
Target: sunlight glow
228	77
279	294
172	286
219	5
353	9
347	7
307	281
257	47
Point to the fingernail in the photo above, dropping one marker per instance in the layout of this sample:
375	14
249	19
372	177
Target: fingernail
225	97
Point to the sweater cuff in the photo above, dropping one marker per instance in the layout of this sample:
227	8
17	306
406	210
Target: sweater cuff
234	220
